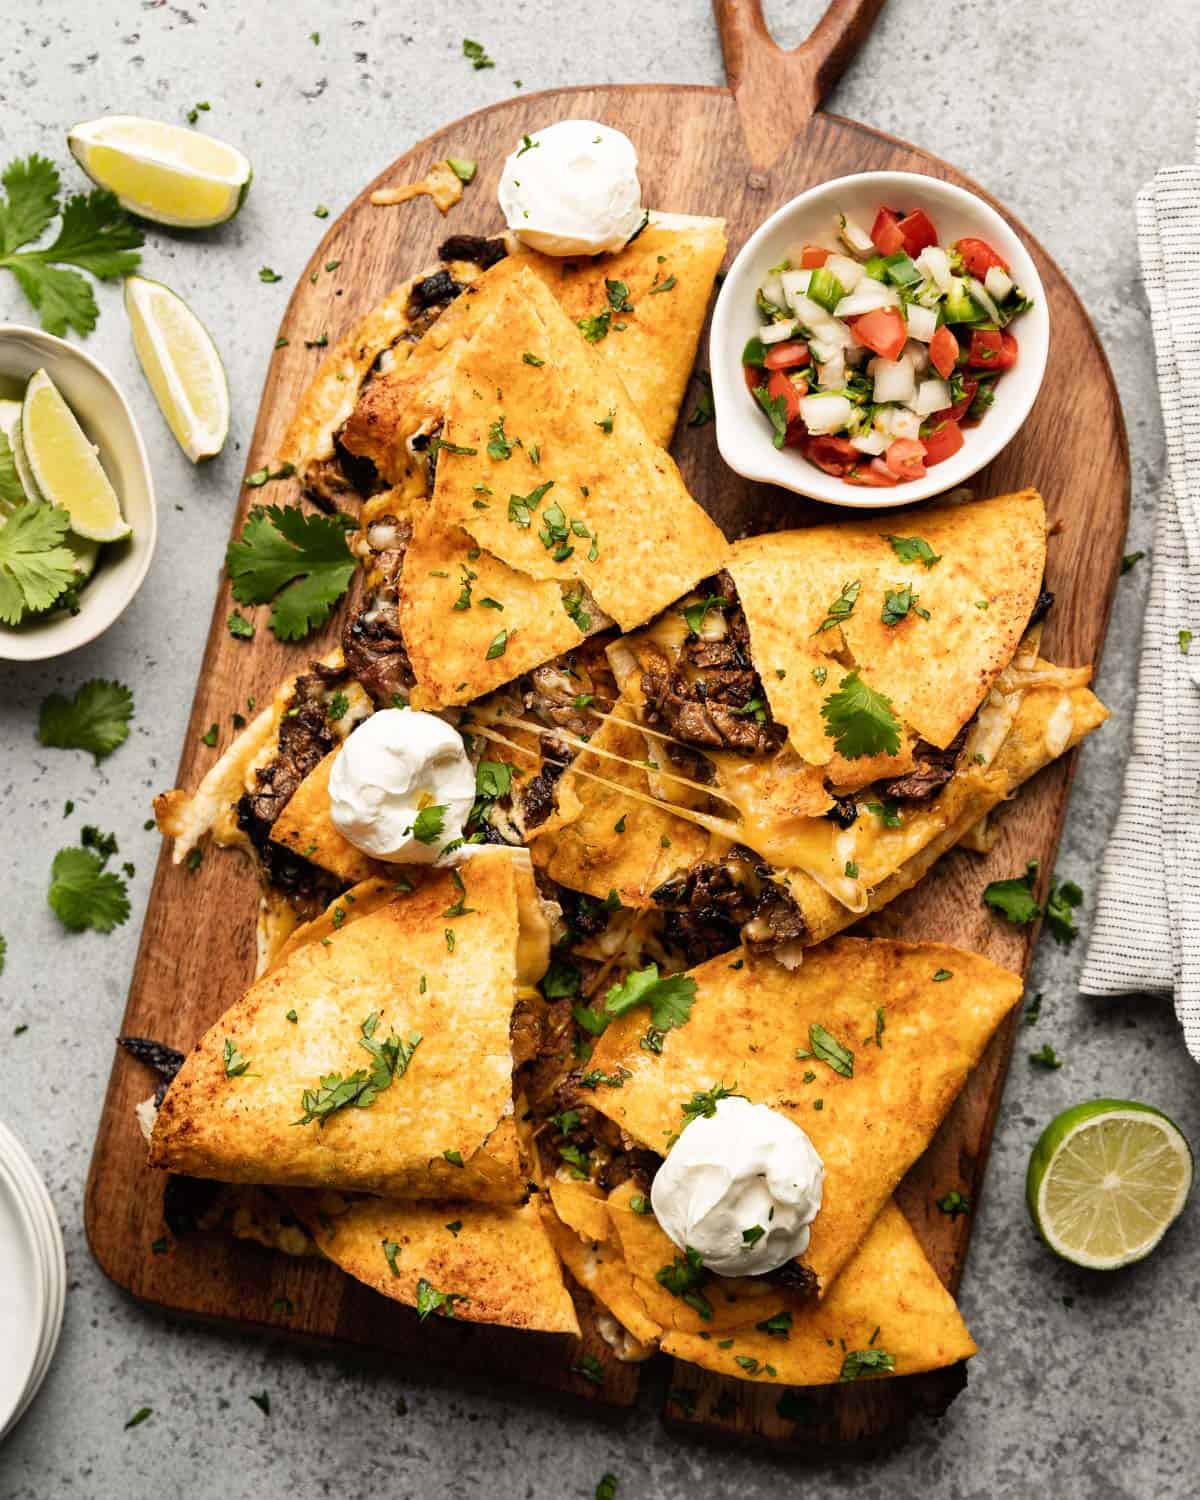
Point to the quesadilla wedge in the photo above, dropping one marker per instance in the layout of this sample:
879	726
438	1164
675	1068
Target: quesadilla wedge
887	1299
822	715
903	1023
375	1055
476	1262
652	352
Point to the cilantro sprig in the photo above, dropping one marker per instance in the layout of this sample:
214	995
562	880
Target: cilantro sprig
860	721
94	234
670	999
83	894
1014	899
96	719
360	1089
296	559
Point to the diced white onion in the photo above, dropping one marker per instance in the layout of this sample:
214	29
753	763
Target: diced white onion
932	395
795	284
893	379
854	236
825	413
980	294
919	354
821	324
898	422
833	371
997	283
867	296
848	272
922	322
872	443
776	333
823	352
771	289
934	263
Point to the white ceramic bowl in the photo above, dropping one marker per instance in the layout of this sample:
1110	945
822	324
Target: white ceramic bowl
104	414
743	432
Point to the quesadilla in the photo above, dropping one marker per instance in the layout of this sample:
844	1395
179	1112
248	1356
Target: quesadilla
375	1055
865	1047
819	720
887	1299
476	1262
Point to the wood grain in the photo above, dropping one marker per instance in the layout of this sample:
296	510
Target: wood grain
197	948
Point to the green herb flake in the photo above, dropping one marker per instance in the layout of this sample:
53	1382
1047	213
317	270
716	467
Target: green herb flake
1014	899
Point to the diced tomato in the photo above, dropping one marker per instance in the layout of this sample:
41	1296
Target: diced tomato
978	257
918	231
813	256
883	331
833	454
885	233
779	383
987	346
1009	350
871	476
942	441
943	352
787	356
960	408
906	458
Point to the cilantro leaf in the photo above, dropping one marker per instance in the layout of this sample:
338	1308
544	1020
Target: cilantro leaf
911	549
430	1300
360	1089
860	721
1046	1058
95	719
776	409
1061	904
841	608
297	559
670	1000
826	1048
94	234
703	1103
35	566
860	1362
429	823
1014	899
83	894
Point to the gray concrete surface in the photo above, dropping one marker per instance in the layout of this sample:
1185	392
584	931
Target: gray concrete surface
1084	1387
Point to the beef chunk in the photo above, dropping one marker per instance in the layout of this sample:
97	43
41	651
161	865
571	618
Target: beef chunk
473	247
795	1277
583	915
434	291
844	812
637	1164
1042	607
707	699
372	644
716	903
164	1061
305	738
933	769
537	799
361	474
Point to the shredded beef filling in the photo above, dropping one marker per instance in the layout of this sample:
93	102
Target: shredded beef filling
163	1061
933	769
372	644
434	291
718	903
713	697
473	247
1041	608
360	473
795	1277
537	799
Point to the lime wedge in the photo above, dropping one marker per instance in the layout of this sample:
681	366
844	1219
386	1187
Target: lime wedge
163	172
10	426
1106	1181
65	465
182	365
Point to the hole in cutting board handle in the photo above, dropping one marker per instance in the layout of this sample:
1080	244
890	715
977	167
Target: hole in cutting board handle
778	92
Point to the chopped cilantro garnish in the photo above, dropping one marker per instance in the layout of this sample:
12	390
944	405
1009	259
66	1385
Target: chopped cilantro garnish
429	823
911	549
476	54
235	1063
360	1089
1046	1058
1061	905
521	507
391	1252
239	627
860	1362
462	167
841	608
683	1278
887	813
1014	899
900	602
954	1204
776	409
670	999
430	1300
498	647
1130	560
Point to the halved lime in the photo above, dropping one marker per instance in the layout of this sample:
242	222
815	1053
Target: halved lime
1106	1181
163	172
65	465
182	365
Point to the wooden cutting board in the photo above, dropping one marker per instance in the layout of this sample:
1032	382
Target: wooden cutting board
741	152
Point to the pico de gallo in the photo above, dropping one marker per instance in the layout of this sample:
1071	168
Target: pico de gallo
876	352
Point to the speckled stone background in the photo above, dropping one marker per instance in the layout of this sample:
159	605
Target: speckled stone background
1085	1387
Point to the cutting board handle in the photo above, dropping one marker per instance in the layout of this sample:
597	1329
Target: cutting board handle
778	92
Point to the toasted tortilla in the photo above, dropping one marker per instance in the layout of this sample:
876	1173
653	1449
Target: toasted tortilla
498	1259
652	354
645	541
306	827
748	1023
936	671
452	979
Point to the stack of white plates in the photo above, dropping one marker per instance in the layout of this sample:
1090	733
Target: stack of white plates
33	1280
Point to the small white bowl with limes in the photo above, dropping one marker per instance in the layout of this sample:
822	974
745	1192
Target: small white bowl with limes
75	447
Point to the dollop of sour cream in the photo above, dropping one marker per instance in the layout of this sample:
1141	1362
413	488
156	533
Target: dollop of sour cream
740	1187
572	189
396	765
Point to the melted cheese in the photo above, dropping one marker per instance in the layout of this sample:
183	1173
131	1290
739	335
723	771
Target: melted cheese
441	183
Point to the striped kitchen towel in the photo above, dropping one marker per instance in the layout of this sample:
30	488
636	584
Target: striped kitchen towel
1146	935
